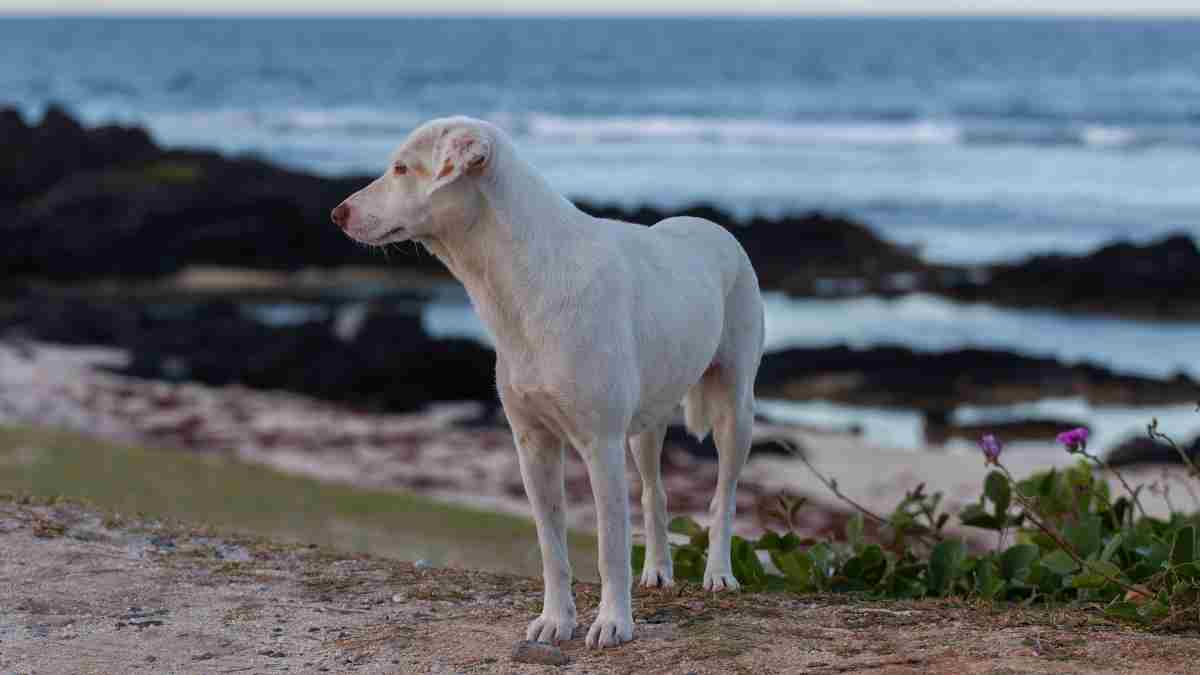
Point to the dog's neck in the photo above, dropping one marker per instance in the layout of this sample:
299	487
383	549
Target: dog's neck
506	258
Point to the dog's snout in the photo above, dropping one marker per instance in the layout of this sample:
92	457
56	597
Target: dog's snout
341	215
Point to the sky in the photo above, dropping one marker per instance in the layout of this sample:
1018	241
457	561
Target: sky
605	7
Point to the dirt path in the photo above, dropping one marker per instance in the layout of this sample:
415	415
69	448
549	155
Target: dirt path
82	593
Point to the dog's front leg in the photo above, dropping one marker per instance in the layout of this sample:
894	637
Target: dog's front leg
541	458
606	470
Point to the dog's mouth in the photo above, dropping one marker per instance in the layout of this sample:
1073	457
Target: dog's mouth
383	238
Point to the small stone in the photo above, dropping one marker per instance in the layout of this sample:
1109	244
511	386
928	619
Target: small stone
161	541
151	659
538	652
423	564
398	597
204	657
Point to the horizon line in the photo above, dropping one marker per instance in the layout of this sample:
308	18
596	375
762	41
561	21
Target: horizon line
518	14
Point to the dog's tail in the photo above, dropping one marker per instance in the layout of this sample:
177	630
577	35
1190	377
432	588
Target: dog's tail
697	412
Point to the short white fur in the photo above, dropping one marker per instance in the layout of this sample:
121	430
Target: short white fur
601	329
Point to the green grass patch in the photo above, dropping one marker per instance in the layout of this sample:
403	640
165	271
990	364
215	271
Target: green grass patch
173	172
233	496
157	173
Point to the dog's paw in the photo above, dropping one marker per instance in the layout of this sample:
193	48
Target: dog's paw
610	630
657	577
551	628
720	581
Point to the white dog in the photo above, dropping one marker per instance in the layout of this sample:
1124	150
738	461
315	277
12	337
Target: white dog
601	329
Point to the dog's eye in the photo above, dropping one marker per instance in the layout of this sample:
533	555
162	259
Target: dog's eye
399	169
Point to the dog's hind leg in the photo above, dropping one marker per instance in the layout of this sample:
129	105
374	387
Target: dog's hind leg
646	448
728	390
733	422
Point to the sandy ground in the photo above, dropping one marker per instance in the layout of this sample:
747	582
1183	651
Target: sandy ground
83	593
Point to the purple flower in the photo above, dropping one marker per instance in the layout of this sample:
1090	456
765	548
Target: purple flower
991	449
1074	440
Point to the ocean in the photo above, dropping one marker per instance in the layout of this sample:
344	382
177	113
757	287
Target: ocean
975	139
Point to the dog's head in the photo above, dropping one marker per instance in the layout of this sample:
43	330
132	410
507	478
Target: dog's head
431	184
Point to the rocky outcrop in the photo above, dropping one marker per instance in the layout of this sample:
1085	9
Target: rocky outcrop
80	203
940	381
36	158
386	362
1160	279
807	254
1144	450
107	202
940	429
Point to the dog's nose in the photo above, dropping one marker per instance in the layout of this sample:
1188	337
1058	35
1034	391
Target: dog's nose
341	215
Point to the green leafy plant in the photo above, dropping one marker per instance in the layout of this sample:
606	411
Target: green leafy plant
1062	538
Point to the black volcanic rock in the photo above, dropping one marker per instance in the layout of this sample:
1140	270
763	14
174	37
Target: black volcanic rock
35	158
77	203
939	429
390	363
1143	450
802	254
900	377
153	218
12	127
1161	278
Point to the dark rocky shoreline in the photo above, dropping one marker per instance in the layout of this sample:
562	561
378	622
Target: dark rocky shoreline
1144	450
899	377
376	359
79	203
376	356
1157	280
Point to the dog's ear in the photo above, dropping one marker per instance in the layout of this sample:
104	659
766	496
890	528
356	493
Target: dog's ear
459	151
